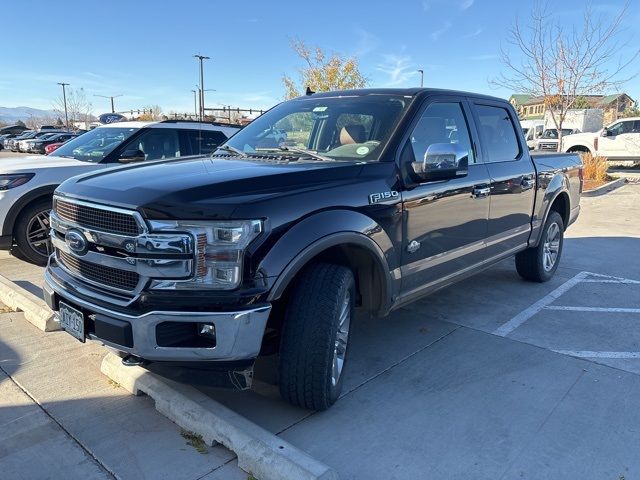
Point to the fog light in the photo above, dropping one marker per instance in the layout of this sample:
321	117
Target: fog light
207	330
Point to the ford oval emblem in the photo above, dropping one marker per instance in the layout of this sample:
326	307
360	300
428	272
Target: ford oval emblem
76	242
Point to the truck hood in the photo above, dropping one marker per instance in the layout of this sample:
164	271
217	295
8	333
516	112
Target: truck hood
33	163
204	187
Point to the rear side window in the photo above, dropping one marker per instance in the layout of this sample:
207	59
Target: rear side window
204	142
497	134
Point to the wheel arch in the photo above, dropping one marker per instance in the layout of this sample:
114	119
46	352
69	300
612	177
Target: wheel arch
37	194
345	237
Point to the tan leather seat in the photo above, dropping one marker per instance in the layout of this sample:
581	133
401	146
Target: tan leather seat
352	134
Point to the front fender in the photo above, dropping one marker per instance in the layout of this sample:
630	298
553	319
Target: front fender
324	230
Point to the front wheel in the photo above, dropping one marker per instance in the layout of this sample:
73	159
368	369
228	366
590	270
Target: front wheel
315	336
539	264
32	232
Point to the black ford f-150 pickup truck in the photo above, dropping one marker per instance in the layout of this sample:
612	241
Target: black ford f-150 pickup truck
327	204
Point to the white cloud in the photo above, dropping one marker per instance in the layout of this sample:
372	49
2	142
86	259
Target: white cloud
367	42
399	68
436	34
466	4
475	33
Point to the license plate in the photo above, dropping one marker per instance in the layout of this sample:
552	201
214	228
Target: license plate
72	321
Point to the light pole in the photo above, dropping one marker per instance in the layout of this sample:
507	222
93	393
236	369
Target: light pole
201	58
64	99
110	97
421	77
195	103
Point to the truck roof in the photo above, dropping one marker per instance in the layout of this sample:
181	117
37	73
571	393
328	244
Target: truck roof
411	92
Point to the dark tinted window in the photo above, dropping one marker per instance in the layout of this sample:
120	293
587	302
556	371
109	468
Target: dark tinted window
497	134
156	144
204	142
441	123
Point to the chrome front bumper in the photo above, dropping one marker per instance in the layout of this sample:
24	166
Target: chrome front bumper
238	334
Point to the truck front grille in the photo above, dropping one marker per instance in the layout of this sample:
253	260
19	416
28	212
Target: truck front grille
101	219
548	146
107	276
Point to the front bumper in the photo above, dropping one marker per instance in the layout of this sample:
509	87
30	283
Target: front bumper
238	335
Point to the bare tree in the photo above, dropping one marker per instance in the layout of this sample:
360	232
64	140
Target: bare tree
323	72
79	108
559	65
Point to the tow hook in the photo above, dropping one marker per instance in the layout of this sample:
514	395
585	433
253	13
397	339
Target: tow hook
133	361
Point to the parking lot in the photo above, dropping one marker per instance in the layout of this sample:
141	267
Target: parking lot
492	378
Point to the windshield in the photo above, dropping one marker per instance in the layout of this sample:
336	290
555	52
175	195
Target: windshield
354	128
96	144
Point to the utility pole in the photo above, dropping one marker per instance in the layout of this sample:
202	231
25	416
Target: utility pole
421	77
110	97
64	99
201	58
195	103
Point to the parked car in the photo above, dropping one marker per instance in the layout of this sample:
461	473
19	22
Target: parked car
51	147
27	184
549	139
618	141
379	197
532	130
13	129
10	141
38	145
23	145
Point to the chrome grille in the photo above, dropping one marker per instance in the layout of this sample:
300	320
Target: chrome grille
101	219
109	277
548	146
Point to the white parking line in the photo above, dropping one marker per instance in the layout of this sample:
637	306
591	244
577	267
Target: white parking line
589	354
605	280
508	327
593	309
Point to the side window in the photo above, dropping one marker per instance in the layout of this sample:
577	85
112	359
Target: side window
204	142
441	123
497	134
620	128
636	127
156	144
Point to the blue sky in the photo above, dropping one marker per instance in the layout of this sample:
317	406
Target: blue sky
143	49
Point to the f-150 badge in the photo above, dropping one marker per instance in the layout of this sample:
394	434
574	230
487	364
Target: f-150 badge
382	196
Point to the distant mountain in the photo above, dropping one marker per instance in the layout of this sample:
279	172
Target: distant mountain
12	115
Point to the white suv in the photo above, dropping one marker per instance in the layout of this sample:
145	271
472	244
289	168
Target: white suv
618	141
27	183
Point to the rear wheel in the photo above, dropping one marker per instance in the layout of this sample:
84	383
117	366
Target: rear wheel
539	264
32	232
315	336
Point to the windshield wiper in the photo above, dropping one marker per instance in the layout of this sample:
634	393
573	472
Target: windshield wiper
230	149
299	151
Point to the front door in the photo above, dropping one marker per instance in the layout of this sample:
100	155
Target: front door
513	179
622	141
445	221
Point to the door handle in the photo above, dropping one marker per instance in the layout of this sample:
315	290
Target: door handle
527	183
481	192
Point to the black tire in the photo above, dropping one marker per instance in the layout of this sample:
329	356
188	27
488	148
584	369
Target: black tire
539	264
309	336
28	220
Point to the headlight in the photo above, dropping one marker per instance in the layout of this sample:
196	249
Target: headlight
14	180
220	248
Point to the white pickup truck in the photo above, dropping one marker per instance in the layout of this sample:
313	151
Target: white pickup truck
618	141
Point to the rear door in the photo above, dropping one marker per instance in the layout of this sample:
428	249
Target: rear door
512	176
622	141
445	221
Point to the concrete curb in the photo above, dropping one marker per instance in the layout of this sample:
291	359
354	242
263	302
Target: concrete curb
259	452
606	188
35	310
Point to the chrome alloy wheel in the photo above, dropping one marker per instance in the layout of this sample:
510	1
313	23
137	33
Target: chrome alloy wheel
342	337
551	247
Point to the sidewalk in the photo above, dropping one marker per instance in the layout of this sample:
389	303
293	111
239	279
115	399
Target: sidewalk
61	418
